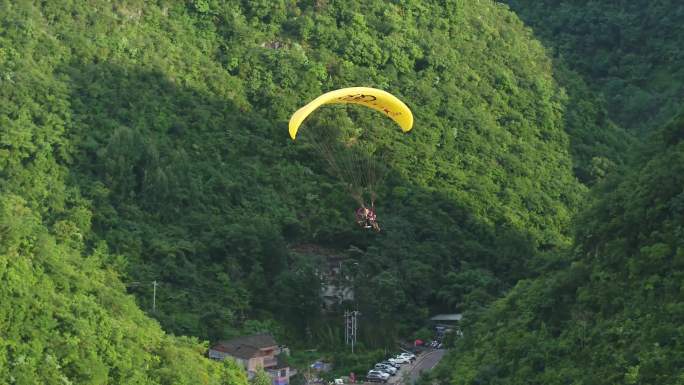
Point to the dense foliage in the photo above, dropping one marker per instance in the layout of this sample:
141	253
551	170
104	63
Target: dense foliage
146	143
166	124
64	314
611	311
65	317
630	52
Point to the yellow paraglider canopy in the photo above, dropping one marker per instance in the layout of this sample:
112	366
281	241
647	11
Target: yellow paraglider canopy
374	98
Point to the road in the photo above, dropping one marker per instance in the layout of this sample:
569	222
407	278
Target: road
425	361
410	373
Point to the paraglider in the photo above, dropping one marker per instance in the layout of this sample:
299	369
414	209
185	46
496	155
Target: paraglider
373	98
354	164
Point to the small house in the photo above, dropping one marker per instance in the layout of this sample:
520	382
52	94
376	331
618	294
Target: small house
254	352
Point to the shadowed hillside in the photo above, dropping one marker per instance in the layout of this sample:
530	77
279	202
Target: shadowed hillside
630	52
147	143
610	311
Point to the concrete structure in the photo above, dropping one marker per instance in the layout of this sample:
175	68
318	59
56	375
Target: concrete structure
446	323
336	282
336	287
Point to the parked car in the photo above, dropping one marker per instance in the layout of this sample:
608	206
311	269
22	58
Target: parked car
375	378
394	362
402	360
391	363
384	371
410	356
386	368
383	375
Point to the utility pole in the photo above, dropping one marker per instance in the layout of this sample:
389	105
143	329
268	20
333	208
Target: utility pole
154	296
350	327
354	326
154	291
347	327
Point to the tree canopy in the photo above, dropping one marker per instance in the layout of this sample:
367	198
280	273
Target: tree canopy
149	188
607	312
165	127
628	51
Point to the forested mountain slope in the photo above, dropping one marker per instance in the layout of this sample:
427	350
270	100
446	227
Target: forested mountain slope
65	317
611	311
193	178
149	142
630	52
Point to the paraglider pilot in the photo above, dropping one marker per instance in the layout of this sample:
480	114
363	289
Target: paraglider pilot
367	218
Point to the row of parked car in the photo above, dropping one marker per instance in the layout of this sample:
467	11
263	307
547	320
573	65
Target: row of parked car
383	370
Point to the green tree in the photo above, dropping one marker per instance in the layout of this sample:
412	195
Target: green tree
261	378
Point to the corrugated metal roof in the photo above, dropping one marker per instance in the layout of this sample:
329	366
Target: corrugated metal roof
447	317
